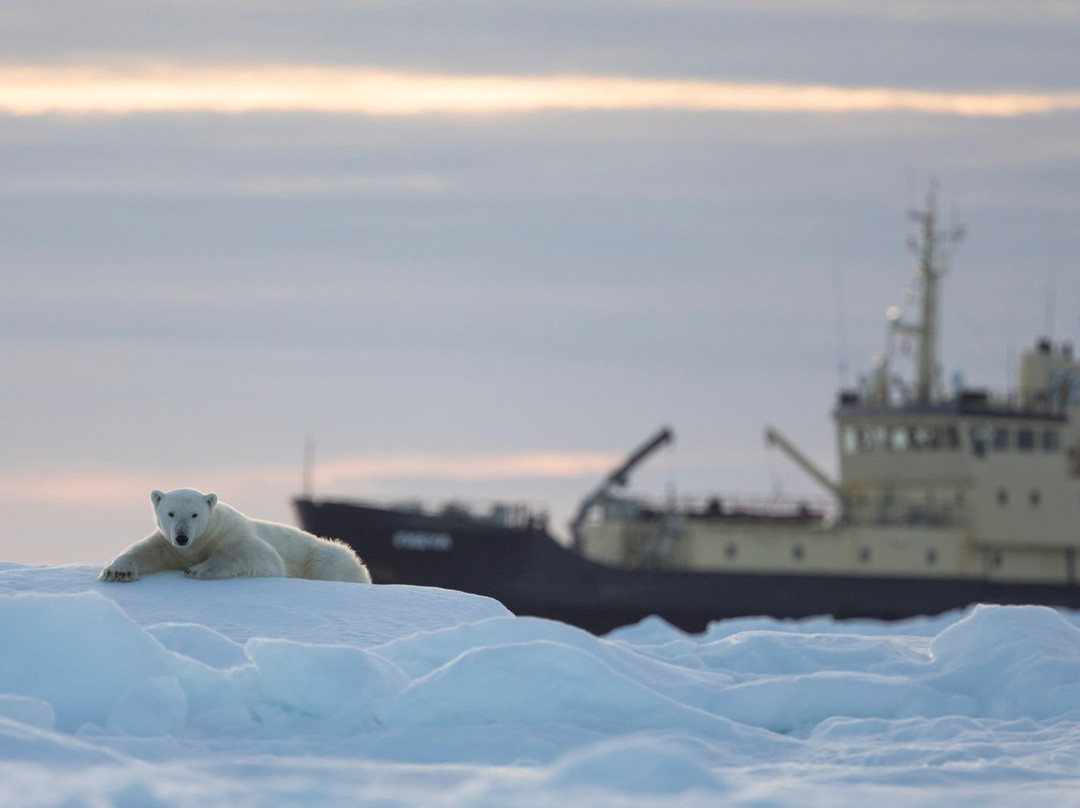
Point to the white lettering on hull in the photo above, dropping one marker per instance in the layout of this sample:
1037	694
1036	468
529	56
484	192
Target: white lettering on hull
422	541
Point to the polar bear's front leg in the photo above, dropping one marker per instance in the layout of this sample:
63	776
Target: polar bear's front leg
251	558
141	558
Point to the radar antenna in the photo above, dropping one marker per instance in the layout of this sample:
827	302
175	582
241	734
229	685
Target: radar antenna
934	248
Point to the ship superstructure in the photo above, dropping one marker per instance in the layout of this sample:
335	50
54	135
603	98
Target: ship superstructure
933	484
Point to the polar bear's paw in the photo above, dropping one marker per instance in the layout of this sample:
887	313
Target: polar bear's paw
209	570
120	572
202	570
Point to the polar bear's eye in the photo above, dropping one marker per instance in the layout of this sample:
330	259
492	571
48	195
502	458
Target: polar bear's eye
194	516
171	514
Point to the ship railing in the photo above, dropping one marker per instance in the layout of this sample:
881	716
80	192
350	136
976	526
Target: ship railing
785	507
789	507
907	514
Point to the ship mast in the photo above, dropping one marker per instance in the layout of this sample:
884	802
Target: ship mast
933	247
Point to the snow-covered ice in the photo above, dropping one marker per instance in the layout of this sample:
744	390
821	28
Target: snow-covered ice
271	692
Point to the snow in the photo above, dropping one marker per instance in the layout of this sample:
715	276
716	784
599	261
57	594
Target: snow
271	692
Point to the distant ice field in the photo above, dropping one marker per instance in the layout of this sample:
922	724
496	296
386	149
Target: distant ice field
272	692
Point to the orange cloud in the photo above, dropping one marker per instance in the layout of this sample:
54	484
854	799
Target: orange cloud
107	489
366	91
467	467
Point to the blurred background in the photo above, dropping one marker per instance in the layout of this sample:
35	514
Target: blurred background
483	249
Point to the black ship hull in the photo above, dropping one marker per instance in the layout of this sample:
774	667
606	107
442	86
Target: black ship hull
531	573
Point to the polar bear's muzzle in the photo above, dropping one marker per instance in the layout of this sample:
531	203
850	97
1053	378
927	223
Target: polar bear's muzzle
181	533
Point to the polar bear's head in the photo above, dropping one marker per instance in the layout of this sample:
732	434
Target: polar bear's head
183	515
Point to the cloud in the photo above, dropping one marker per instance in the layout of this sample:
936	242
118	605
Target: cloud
110	488
376	92
467	467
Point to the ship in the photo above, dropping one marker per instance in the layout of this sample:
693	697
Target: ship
944	498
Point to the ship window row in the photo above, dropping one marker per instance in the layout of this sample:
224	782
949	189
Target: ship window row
900	438
982	438
985	439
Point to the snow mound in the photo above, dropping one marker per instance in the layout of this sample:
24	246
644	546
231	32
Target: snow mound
321	680
79	653
201	643
280	692
1010	661
540	682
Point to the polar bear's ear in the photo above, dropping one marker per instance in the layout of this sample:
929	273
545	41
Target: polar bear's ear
156	496
211	500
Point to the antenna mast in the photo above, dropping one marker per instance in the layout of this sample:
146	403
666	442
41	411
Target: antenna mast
934	249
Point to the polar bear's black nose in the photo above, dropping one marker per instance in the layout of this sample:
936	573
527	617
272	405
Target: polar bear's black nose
181	539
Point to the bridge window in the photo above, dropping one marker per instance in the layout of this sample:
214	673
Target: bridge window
850	440
899	438
1025	440
875	437
925	437
984	438
1001	438
980	437
952	437
865	438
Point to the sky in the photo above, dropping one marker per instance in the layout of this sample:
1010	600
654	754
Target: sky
482	250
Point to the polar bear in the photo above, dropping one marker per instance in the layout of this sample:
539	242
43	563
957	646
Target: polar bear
209	539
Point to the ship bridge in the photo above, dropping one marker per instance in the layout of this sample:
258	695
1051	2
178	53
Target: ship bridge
1009	468
952	487
1006	468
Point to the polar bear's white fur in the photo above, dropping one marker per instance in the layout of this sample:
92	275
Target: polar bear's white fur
208	539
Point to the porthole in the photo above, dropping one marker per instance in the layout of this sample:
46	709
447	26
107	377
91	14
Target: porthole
731	551
997	560
797	552
1002	497
1035	497
864	555
931	557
